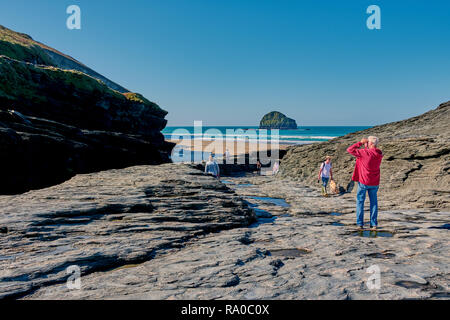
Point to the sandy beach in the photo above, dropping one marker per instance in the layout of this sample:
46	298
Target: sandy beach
234	148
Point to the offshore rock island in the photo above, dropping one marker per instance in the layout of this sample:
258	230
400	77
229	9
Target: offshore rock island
277	120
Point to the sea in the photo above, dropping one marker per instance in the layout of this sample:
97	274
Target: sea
301	135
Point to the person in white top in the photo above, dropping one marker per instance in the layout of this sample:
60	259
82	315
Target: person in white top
226	155
326	173
212	168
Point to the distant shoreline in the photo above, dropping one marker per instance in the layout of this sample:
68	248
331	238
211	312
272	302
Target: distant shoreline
219	148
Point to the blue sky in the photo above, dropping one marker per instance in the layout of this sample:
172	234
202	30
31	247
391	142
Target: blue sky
229	62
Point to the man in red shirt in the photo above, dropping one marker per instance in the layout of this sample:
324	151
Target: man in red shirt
367	174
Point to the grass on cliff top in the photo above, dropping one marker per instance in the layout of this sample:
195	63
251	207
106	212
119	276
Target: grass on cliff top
21	80
15	37
18	81
22	47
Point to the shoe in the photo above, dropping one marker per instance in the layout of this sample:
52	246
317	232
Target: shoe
373	228
360	228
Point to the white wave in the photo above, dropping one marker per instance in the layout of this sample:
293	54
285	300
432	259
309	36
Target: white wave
218	136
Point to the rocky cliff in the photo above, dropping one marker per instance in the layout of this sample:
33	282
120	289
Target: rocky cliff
277	120
415	168
55	123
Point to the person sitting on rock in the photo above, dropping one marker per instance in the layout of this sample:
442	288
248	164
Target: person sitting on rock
325	172
367	174
211	167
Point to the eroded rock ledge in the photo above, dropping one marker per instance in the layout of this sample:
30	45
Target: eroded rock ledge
415	167
109	219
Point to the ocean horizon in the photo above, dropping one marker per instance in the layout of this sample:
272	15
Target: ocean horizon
301	135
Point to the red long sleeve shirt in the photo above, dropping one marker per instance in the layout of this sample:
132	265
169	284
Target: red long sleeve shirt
367	167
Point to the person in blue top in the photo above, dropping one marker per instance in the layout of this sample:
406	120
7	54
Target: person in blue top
211	167
326	173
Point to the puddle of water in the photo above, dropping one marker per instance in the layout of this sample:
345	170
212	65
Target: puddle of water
262	213
226	182
264	216
293	252
336	214
373	234
275	201
337	224
261	221
444	226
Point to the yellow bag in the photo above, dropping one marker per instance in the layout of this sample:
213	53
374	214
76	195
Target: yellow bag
333	187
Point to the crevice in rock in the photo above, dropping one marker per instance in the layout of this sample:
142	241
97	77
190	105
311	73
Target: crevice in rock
407	173
436	155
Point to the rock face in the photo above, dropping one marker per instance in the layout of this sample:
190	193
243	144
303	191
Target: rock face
277	120
108	220
415	167
55	123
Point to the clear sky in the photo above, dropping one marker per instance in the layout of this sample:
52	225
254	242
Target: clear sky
228	62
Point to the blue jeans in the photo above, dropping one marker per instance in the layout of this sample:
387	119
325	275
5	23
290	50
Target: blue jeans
360	198
325	181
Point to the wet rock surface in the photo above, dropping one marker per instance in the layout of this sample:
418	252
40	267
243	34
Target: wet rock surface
109	220
303	251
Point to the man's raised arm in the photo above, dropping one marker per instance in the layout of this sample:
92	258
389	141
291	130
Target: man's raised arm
354	149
